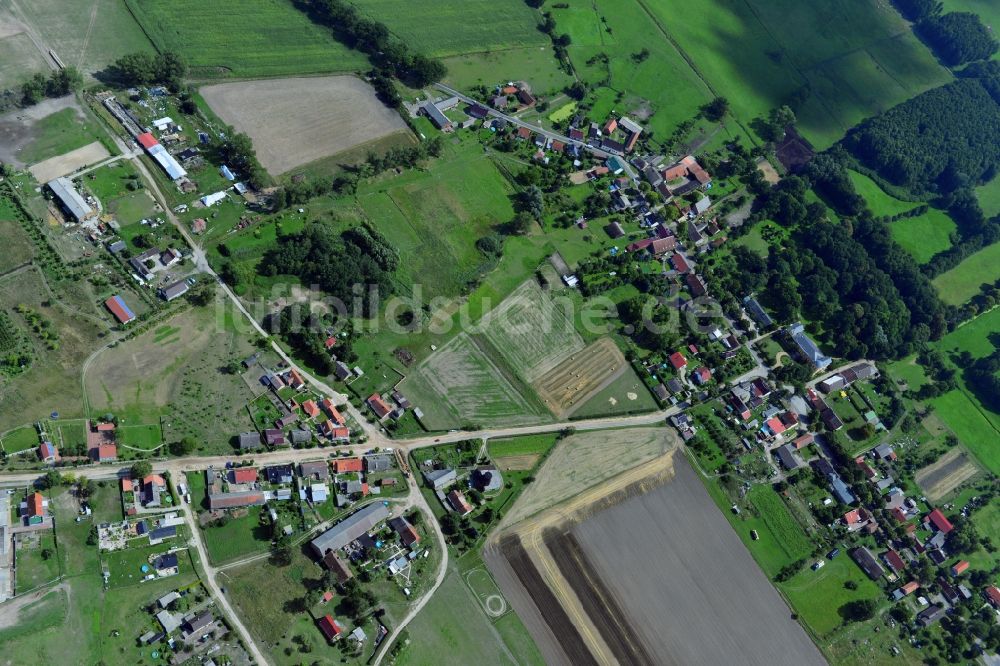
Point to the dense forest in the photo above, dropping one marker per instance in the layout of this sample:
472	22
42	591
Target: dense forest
389	55
336	262
957	38
935	141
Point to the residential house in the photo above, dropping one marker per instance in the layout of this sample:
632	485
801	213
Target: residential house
331	410
696	284
757	312
243	475
104	453
701	375
348	465
893	560
331	630
378	406
336	565
48	452
937	520
930	615
377	463
317	471
486	479
459	503
864	559
407	533
153	486
786	455
677	360
279	474
249	440
310	408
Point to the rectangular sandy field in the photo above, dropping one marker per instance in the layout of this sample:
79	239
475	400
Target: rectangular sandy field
296	121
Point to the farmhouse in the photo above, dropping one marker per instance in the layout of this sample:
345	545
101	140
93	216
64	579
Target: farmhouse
437	117
331	630
235	499
176	290
337	566
378	406
349	529
937	520
71	200
116	305
407	533
440	478
459	503
48	452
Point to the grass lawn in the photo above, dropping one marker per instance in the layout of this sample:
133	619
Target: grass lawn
18	248
220	38
140	436
625	395
817	595
20	440
962	282
909	371
238	538
879	201
925	235
32	568
781	541
662	84
975	427
454	624
521	446
59	133
989	197
126	565
857	58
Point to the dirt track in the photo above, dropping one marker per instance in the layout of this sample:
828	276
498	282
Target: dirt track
296	121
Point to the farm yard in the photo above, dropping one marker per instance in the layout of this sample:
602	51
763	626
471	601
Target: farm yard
221	38
176	372
295	121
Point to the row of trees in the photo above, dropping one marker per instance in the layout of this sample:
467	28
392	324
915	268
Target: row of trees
388	54
144	69
957	37
236	150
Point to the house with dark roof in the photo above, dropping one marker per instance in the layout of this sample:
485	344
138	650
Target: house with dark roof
249	440
864	559
785	454
930	615
349	529
696	284
458	502
336	565
279	474
407	533
317	471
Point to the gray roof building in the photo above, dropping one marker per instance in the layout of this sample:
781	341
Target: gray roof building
72	201
757	311
868	563
809	350
249	440
786	455
436	117
176	290
378	463
439	478
350	528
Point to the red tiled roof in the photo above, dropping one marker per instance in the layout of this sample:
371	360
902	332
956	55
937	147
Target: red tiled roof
155	479
107	452
36	506
679	263
342	465
776	426
310	408
677	360
331	342
894	560
852	517
911	587
294	378
329	627
146	140
378	405
959	567
898	514
803	440
244	475
938	520
126	485
993	594
459	502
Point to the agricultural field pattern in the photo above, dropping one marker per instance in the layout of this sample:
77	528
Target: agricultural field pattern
528	332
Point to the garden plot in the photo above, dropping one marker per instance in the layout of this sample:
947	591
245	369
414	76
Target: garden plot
944	475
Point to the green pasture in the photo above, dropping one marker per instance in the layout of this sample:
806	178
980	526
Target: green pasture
958	285
225	38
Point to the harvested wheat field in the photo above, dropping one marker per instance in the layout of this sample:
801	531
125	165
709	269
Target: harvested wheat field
944	475
296	121
644	569
570	384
